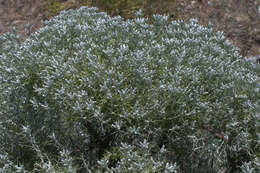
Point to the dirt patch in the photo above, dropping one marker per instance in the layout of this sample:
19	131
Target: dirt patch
19	13
239	19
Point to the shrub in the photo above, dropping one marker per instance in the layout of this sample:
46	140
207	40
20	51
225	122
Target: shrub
91	93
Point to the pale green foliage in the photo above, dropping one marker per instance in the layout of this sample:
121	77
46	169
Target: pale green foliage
91	93
135	159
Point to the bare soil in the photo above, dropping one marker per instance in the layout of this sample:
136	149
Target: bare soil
19	13
239	19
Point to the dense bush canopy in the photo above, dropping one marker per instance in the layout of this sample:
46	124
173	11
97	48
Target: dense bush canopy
92	93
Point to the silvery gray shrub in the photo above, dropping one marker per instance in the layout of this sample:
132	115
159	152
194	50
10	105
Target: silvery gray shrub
93	93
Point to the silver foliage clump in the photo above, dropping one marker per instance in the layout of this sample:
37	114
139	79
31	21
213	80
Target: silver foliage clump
93	93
